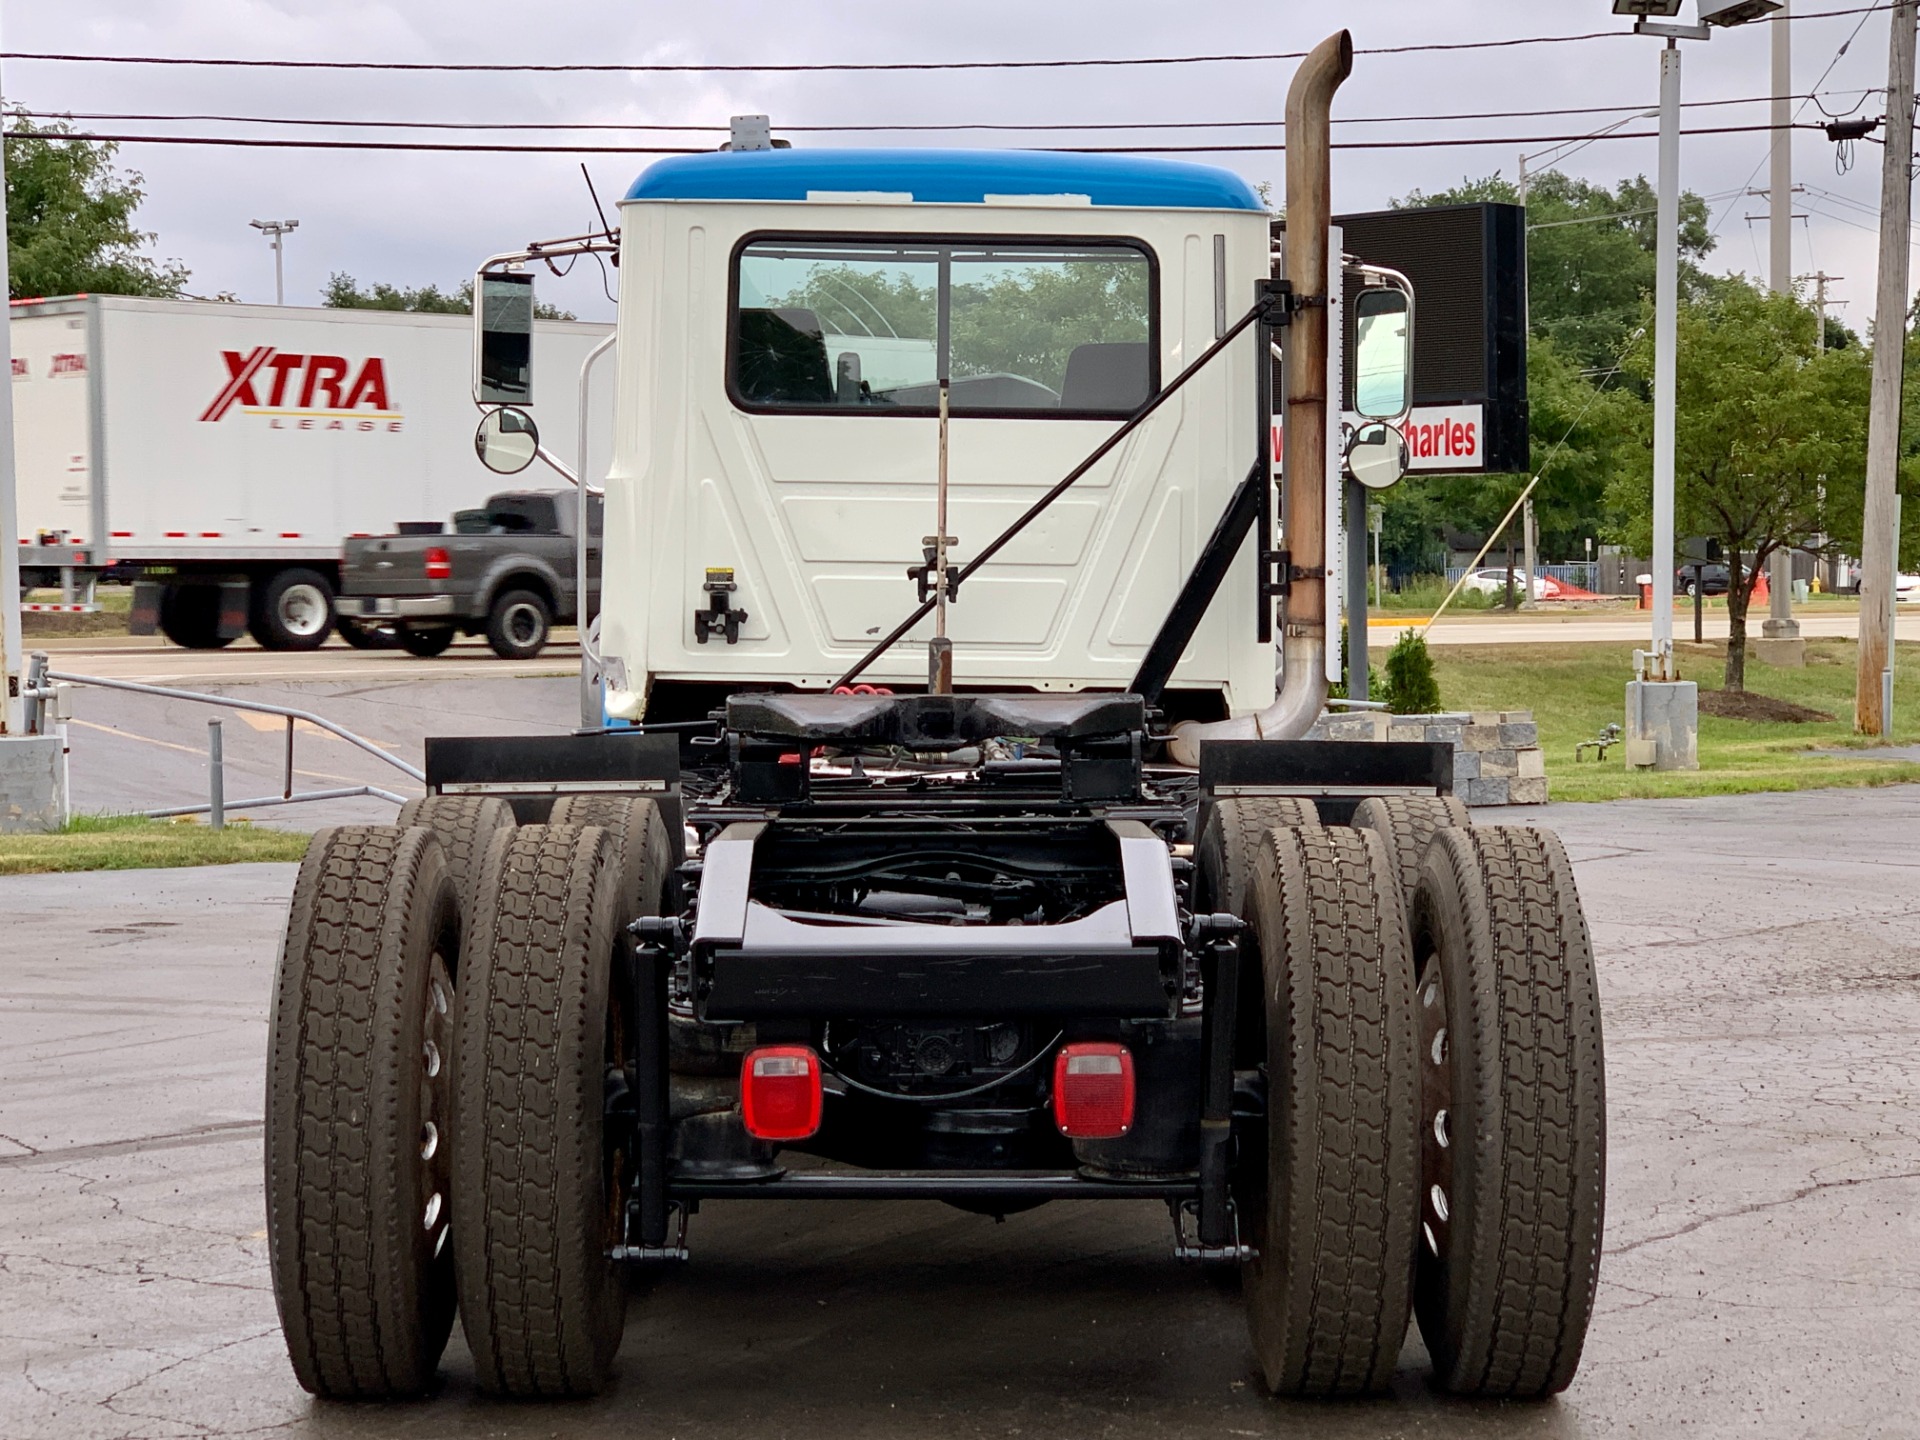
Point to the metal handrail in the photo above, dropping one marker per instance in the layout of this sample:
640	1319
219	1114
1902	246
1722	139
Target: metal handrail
168	692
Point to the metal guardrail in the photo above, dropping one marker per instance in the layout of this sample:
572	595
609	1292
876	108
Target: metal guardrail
40	680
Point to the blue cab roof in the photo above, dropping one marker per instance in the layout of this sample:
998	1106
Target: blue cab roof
945	177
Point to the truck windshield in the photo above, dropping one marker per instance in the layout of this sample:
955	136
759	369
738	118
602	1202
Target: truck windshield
1024	329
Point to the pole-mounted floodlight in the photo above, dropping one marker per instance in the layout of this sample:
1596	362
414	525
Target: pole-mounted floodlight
1661	715
1736	12
275	230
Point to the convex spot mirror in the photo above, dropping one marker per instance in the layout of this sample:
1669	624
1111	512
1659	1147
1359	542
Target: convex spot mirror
1383	355
506	441
1377	456
504	319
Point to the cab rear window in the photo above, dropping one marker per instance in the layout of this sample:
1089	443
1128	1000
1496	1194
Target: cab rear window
1024	329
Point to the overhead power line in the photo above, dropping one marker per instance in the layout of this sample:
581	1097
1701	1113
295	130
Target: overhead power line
1047	127
793	68
268	142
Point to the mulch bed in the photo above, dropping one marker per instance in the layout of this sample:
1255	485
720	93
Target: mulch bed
1746	705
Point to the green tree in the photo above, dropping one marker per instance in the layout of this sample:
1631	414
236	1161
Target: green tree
1771	440
343	292
1583	434
1411	687
70	227
1846	493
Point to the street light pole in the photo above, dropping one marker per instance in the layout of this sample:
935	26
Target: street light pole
276	231
1780	625
12	661
1659	665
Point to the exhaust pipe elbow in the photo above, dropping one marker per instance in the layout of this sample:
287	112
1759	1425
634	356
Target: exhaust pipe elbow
1302	700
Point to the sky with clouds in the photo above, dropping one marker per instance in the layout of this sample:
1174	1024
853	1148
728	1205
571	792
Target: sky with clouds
413	219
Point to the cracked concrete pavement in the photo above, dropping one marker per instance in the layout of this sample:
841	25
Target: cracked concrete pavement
1760	964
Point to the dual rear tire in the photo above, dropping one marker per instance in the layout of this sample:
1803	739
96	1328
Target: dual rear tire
358	1109
417	1134
1425	1018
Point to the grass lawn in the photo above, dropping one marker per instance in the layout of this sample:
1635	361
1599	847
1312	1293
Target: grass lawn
1574	690
112	618
128	842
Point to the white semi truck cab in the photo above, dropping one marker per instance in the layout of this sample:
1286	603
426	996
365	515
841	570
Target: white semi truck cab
787	319
943	832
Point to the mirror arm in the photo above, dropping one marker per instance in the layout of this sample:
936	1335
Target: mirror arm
565	471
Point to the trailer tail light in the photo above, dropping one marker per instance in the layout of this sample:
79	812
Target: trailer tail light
1093	1091
780	1092
439	564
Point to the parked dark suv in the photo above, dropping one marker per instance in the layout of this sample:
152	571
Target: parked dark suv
1710	579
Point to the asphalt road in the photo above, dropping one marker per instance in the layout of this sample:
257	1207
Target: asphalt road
142	752
1760	964
154	661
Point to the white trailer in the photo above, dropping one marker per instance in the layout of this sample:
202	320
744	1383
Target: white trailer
224	451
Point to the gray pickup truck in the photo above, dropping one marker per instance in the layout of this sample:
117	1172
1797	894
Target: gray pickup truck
505	570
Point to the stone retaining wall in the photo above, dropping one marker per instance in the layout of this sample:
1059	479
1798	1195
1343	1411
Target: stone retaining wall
1497	759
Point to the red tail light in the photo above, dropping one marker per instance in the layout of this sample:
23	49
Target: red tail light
439	564
780	1092
1093	1091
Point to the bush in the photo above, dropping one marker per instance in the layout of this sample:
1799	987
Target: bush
1411	688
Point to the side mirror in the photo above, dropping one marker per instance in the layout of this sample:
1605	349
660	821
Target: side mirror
503	321
1377	456
1383	354
506	441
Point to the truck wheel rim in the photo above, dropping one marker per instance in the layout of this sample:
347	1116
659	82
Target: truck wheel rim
1436	1110
522	624
303	610
436	1105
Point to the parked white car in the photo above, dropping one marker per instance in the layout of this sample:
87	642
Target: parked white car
1906	589
1494	582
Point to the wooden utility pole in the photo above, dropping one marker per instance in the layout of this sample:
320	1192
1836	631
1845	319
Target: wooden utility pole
1821	282
1870	703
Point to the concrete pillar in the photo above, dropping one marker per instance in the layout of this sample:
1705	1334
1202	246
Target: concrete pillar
33	785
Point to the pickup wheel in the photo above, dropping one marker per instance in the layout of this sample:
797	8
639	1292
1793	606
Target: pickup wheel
363	636
1514	1113
518	625
1332	1206
465	825
190	617
426	643
291	610
539	1178
358	1108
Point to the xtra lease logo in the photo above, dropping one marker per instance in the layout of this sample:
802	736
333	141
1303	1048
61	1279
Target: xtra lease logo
306	392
